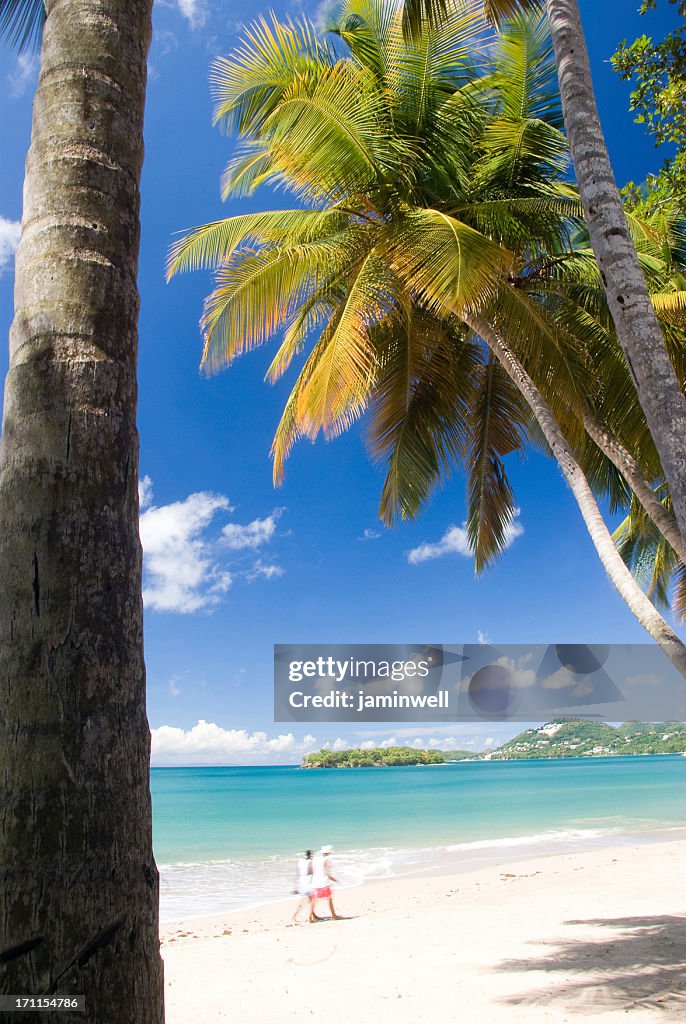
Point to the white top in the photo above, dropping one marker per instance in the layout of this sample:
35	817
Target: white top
304	876
320	877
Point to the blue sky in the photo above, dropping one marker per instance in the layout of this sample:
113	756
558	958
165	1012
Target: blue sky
233	566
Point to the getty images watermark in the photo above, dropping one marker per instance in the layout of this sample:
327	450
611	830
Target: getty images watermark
475	682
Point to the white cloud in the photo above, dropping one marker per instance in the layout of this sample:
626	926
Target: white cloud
262	571
370	534
208	743
482	637
10	232
325	13
180	572
650	679
24	75
252	535
184	565
145	492
456	542
194	11
174	687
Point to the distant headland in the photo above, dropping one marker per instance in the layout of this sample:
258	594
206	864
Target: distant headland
567	737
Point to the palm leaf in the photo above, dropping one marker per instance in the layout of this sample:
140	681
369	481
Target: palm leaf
498	427
249	83
338	386
670	307
212	244
419	417
525	71
371	30
327	133
259	290
21	22
419	14
448	265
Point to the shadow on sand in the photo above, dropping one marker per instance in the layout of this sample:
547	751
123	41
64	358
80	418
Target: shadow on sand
640	962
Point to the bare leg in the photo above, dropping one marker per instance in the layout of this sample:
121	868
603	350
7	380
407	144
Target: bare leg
334	915
303	902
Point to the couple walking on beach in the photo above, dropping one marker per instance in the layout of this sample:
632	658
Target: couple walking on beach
314	878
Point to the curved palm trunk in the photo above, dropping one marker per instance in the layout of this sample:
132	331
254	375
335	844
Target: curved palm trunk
631	471
629	590
77	876
637	326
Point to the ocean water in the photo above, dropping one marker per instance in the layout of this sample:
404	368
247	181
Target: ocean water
227	838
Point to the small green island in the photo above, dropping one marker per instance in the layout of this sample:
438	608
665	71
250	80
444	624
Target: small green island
568	737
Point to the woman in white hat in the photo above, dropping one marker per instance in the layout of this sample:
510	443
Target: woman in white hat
321	882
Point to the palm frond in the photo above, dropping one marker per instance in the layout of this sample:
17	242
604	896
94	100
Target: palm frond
647	554
21	23
525	70
371	30
338	387
327	134
498	428
448	265
670	307
315	313
441	61
210	245
249	83
520	223
258	291
419	415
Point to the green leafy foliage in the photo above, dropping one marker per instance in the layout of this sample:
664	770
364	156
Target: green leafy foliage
434	177
576	737
657	69
376	757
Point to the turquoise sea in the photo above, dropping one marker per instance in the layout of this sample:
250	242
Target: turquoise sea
227	838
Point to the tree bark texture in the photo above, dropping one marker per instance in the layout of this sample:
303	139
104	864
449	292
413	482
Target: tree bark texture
638	329
78	883
624	582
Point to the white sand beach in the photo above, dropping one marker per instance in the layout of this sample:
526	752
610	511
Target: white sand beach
598	935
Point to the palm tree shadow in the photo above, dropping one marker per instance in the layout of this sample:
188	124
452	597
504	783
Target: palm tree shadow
642	965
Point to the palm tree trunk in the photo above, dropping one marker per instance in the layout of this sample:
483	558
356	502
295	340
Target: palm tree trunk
79	913
631	471
626	585
637	326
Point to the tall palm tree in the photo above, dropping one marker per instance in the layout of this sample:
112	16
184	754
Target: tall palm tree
659	389
79	911
433	191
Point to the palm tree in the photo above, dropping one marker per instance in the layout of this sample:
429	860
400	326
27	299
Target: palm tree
79	883
658	387
433	190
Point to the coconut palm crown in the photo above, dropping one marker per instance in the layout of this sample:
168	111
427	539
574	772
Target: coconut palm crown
432	174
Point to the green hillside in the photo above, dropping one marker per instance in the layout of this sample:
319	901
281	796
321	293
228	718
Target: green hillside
568	737
576	737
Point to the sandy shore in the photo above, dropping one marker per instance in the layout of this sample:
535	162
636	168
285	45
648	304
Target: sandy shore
599	935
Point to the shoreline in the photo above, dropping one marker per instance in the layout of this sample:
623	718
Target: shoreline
596	933
470	857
